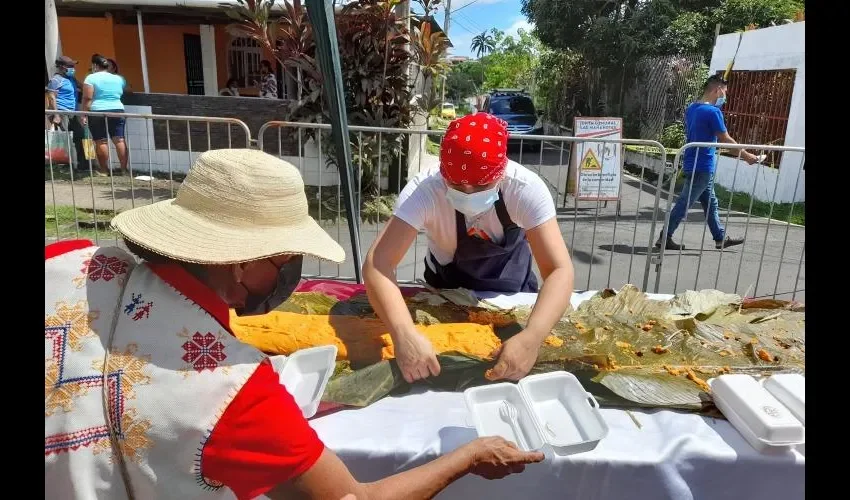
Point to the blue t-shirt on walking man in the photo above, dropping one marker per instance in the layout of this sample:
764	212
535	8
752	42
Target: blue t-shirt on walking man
703	122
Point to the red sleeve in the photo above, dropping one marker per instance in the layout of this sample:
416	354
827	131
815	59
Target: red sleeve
63	247
262	439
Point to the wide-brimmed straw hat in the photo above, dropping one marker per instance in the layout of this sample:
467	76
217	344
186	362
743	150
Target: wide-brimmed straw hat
235	205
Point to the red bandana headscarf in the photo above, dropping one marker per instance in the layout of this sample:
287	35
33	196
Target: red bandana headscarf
474	150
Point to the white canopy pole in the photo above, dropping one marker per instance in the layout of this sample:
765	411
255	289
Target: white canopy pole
143	53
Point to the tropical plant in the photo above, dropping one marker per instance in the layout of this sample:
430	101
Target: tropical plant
483	44
373	57
430	48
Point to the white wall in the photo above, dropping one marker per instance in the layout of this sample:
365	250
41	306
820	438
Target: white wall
777	47
138	134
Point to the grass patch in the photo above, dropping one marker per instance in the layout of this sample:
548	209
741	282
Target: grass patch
431	147
79	223
63	173
794	213
437	123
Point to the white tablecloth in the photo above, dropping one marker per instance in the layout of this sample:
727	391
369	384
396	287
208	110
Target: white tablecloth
671	456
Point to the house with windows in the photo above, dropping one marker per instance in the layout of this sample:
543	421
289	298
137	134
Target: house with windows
177	55
165	46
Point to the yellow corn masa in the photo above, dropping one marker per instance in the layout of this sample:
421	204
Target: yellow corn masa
360	340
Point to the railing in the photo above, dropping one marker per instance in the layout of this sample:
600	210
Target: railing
610	245
777	251
621	227
160	149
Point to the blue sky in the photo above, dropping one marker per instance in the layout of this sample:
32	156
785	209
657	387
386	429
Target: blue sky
480	15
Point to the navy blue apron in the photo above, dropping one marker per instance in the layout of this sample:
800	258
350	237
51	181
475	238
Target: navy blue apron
483	265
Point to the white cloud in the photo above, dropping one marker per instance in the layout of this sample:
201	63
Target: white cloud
519	24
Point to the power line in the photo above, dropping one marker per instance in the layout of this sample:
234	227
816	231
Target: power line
472	23
473	2
465	28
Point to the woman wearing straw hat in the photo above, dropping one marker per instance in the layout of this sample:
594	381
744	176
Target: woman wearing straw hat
485	217
148	394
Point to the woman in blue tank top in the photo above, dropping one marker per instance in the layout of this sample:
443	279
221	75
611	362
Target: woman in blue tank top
102	92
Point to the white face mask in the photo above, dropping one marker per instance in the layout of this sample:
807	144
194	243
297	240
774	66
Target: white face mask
472	204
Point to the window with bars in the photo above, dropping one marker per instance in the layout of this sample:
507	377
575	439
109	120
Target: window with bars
244	58
757	107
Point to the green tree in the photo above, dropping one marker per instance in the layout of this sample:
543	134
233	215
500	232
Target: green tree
618	31
512	62
464	80
734	15
483	44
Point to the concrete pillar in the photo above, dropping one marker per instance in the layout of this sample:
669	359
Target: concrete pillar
52	49
208	59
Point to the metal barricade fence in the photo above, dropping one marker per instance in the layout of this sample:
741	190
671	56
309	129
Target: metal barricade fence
623	233
81	200
610	246
770	262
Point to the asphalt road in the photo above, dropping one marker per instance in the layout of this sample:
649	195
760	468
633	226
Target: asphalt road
609	249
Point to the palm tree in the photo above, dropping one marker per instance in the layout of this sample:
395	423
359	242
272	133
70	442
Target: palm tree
483	44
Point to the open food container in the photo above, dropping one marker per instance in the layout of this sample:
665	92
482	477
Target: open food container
551	409
305	375
760	418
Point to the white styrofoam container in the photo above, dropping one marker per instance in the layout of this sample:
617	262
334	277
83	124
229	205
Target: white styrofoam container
552	409
760	418
305	375
790	390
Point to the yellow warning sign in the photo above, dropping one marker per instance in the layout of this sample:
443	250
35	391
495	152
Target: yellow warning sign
589	162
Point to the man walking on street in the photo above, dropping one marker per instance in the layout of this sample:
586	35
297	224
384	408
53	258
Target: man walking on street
704	123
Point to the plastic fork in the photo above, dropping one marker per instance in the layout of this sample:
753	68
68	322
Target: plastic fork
509	413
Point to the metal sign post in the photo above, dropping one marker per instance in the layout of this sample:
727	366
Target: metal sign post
321	14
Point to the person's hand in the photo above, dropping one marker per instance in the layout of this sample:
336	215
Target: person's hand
415	357
750	158
495	458
516	357
56	119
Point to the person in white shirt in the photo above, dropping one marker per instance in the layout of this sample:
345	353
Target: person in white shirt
485	218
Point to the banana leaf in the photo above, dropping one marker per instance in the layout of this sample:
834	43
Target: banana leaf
626	349
369	384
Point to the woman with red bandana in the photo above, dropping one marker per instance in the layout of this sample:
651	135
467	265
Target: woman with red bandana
485	217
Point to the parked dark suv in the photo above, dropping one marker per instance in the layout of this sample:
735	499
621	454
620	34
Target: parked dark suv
517	108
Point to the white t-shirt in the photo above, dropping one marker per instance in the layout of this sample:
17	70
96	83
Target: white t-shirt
423	204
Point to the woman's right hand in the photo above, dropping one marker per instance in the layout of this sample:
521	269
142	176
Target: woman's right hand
495	457
416	357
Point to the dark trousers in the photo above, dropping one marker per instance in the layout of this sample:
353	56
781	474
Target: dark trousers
72	124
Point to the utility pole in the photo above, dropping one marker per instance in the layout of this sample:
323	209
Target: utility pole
448	17
446	31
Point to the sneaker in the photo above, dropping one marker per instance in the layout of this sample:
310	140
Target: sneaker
671	245
728	242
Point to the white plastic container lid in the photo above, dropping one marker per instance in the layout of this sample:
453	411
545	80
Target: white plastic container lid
752	410
305	374
790	390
